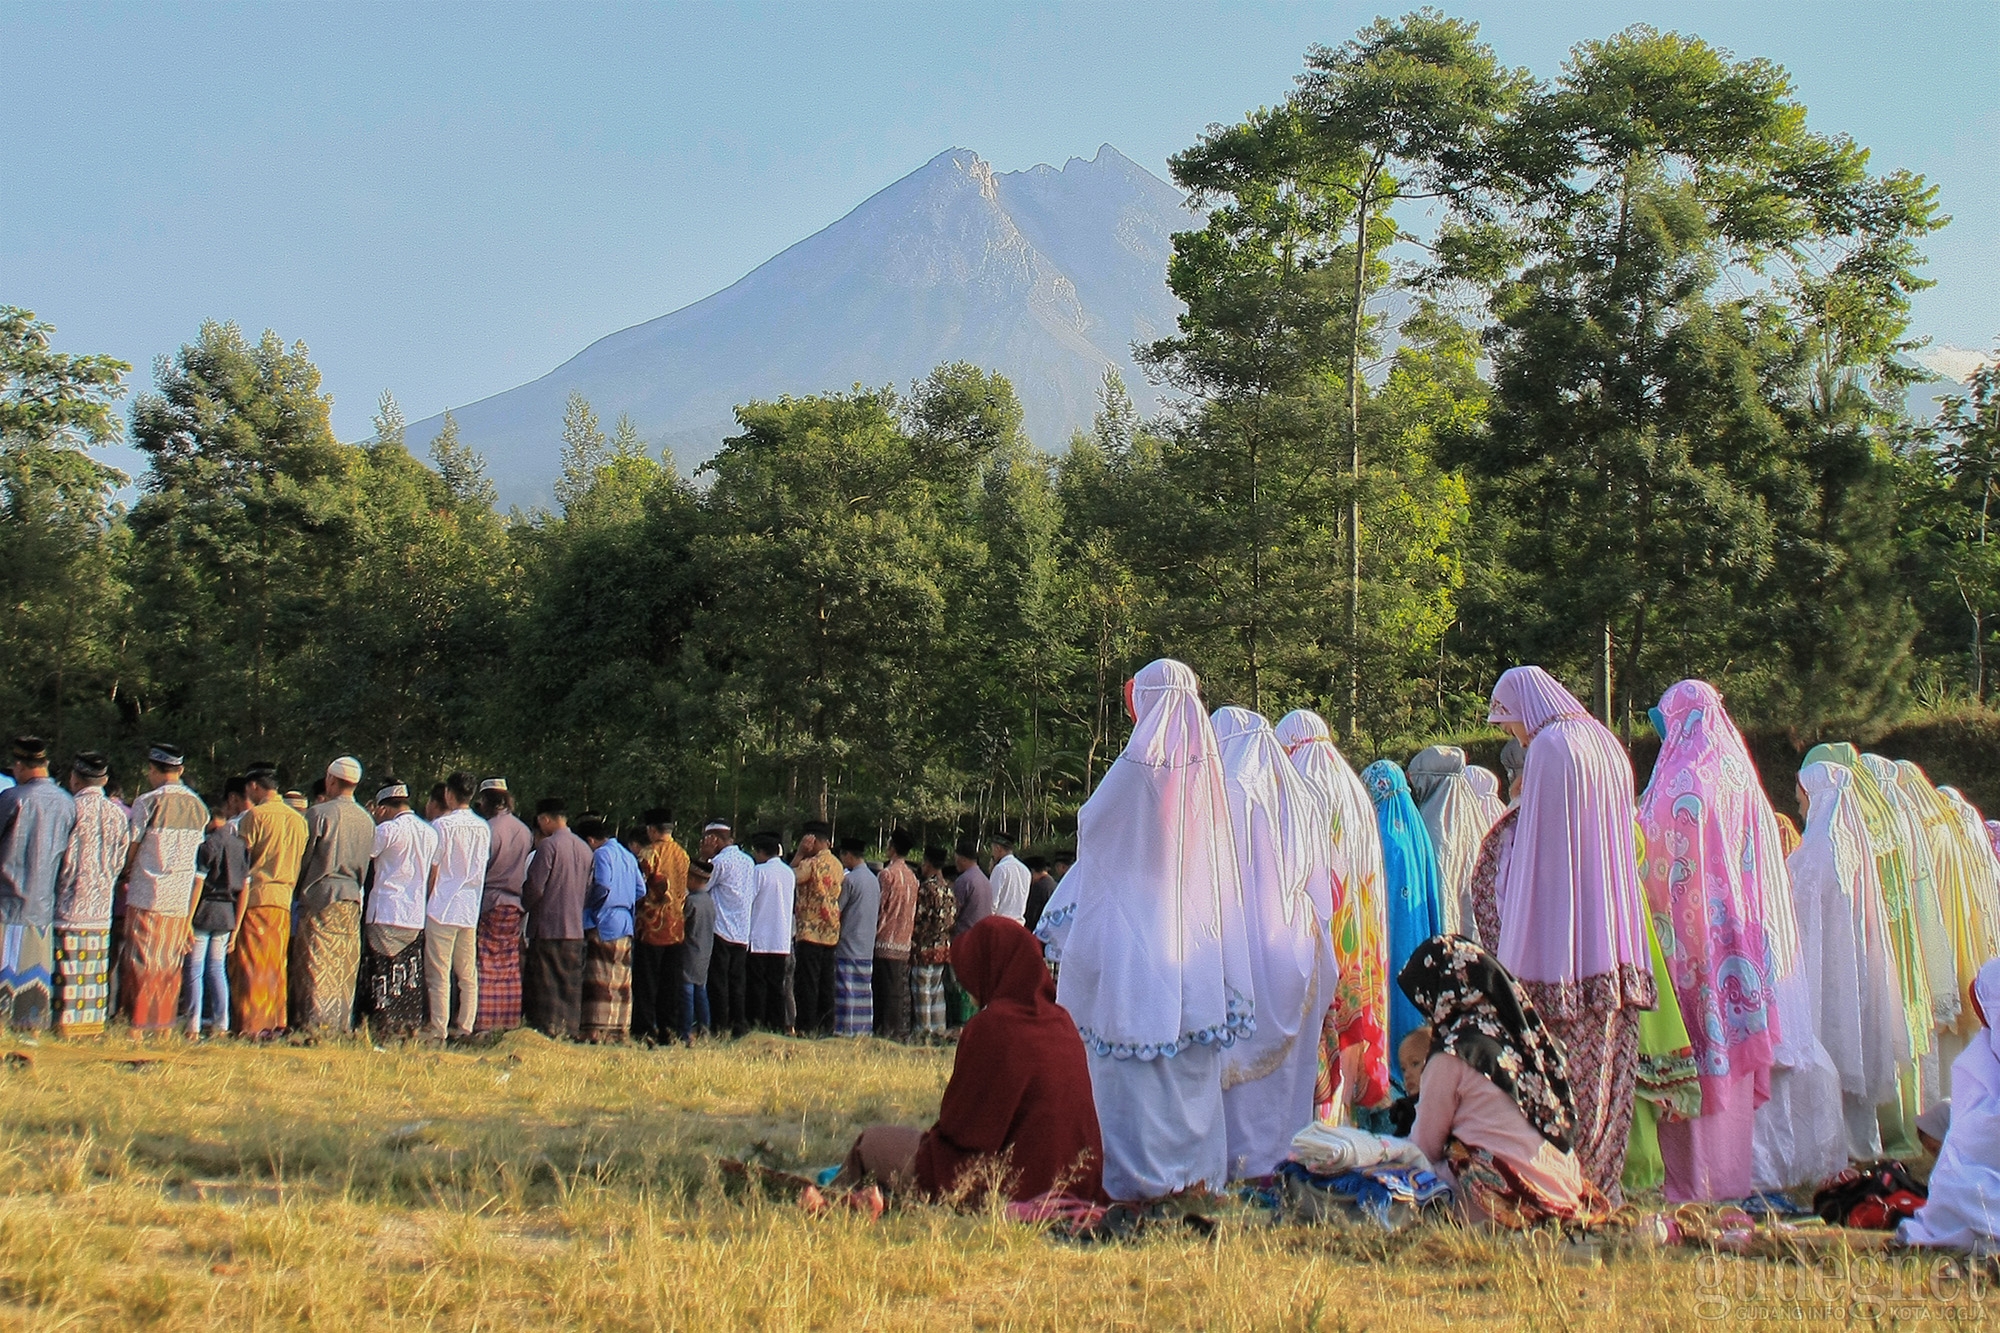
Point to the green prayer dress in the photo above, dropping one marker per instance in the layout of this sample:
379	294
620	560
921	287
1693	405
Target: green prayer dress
1668	1083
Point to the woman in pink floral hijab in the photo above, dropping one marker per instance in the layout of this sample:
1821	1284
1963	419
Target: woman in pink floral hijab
1713	859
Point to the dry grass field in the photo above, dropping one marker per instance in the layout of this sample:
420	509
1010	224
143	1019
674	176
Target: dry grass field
530	1185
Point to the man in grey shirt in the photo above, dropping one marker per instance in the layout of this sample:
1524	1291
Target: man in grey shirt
326	930
36	818
854	956
972	889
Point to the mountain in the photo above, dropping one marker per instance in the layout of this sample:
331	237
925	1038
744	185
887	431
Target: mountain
1046	276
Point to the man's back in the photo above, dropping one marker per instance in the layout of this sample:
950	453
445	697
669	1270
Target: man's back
860	902
974	893
340	838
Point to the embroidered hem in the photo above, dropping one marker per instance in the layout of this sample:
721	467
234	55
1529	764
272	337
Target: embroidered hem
1239	1021
1628	986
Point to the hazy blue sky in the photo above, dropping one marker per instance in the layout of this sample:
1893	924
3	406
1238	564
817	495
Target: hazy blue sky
447	200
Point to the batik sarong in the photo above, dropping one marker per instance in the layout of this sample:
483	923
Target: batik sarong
607	988
392	984
326	962
257	971
499	955
83	982
27	955
1513	1201
149	968
1603	1060
552	989
927	996
853	997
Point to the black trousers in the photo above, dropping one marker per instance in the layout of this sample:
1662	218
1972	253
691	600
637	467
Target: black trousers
728	988
892	997
767	991
656	990
812	988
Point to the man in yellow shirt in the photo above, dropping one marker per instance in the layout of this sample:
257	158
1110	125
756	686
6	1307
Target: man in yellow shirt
274	841
815	929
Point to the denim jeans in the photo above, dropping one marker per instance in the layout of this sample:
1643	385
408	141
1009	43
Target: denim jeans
694	1009
208	960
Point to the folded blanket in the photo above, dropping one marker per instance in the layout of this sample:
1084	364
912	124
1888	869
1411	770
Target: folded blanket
1331	1149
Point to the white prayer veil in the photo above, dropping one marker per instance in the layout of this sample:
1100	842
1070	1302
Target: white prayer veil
1153	957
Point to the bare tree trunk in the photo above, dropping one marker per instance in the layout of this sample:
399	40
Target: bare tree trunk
1360	294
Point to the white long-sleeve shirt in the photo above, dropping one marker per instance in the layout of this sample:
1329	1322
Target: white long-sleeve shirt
1010	880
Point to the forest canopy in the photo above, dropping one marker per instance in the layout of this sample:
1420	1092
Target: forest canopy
1635	409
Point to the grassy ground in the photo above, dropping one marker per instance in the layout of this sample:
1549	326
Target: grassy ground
535	1186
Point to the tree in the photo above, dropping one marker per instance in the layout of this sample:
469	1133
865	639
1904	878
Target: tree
241	528
463	469
1410	107
1244	530
821	567
62	541
1636	450
584	450
1967	512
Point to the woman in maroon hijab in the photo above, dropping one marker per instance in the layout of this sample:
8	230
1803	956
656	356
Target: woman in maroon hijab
1019	1098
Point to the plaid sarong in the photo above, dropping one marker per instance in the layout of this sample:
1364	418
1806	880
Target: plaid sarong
326	961
257	971
27	957
927	988
499	945
853	997
83	981
607	988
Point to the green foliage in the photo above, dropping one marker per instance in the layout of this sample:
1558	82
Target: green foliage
1641	415
62	547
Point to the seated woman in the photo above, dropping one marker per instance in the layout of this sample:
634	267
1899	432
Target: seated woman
1494	1113
1963	1212
1018	1111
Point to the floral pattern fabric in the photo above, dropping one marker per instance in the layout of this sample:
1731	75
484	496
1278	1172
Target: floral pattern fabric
930	937
816	905
1480	1014
92	863
1703	872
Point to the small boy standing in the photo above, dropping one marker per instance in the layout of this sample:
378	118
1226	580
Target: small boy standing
699	914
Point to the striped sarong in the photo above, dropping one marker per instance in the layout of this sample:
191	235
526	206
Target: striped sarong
83	981
853	997
607	988
149	968
257	971
927	991
27	957
499	956
326	960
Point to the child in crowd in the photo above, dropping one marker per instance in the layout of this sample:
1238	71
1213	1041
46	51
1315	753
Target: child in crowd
700	916
1411	1054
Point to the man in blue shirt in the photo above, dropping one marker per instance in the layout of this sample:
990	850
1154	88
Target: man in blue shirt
36	818
616	885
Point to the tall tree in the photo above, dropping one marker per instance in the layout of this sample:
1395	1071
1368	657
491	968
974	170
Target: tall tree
1635	448
1409	107
62	541
240	529
584	450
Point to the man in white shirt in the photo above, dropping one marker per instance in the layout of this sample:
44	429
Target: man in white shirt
732	884
1010	880
392	923
770	934
451	920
